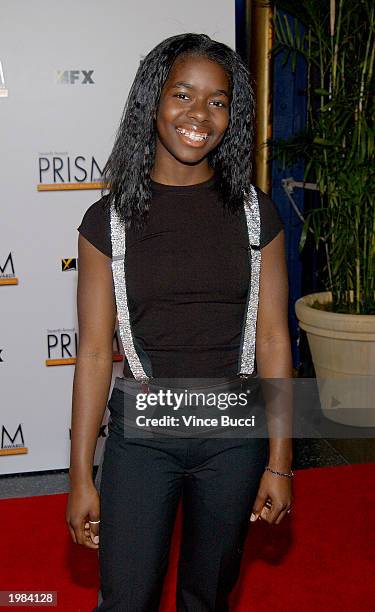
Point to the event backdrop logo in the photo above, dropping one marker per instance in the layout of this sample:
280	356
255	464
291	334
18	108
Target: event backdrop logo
75	77
62	347
12	444
63	172
7	273
68	264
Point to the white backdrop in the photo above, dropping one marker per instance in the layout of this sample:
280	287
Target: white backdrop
67	69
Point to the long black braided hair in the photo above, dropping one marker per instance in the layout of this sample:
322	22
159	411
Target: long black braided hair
127	171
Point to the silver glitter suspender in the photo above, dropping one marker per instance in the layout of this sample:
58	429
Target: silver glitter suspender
118	271
252	213
251	207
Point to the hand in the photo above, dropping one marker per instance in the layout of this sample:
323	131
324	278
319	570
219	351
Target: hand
274	498
83	506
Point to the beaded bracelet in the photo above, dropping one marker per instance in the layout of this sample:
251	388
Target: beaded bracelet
290	475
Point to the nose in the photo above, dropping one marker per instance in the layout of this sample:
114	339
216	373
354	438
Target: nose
198	110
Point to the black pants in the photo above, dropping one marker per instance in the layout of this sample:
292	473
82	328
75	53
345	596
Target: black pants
140	487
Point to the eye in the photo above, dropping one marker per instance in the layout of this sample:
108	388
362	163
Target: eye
181	96
218	103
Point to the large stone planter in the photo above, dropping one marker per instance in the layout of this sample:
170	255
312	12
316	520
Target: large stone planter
343	351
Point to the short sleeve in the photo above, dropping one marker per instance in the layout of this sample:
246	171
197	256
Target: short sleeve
95	226
271	222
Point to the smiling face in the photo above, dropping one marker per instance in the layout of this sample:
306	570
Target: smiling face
192	116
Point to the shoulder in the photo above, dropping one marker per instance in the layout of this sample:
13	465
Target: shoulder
271	222
98	211
95	226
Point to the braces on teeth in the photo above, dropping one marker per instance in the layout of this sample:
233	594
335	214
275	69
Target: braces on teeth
192	135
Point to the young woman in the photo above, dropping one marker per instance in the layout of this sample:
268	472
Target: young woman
180	190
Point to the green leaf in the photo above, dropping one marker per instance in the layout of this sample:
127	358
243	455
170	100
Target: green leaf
323	141
302	240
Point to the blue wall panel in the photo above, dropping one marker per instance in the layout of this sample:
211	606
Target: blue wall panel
289	117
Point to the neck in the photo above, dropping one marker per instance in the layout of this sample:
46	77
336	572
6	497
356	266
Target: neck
172	172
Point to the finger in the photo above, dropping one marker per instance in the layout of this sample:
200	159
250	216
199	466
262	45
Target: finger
258	505
270	512
94	533
76	533
266	514
94	529
88	538
279	512
73	535
84	538
281	516
94	537
80	534
90	544
79	530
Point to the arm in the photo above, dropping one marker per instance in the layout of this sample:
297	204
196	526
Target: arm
274	360
92	378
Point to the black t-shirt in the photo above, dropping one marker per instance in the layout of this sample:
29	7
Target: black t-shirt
187	277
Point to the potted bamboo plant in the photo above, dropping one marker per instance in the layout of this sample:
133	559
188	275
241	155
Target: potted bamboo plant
337	42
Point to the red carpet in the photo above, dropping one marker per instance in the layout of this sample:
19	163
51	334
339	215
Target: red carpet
321	558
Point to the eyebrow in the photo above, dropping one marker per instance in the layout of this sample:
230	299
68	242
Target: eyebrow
220	92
